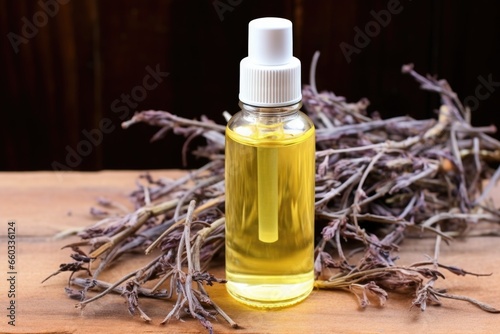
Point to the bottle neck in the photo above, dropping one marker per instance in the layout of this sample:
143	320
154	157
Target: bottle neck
271	111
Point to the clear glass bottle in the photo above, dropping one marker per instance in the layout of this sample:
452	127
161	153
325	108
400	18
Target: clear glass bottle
270	172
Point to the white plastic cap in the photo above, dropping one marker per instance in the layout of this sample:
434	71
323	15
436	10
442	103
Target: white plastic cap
270	75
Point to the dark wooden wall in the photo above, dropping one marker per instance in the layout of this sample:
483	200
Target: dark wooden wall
75	69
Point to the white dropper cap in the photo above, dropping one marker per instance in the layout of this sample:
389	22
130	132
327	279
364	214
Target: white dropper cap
270	75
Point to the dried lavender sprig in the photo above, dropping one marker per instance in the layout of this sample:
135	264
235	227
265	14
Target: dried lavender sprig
185	254
419	171
117	283
430	132
443	126
184	281
166	120
102	285
179	125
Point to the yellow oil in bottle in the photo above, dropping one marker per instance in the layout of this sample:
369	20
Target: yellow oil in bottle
269	215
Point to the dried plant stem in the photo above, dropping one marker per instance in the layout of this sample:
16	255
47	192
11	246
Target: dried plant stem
117	283
199	209
481	305
99	284
209	181
344	281
491	183
143	215
200	239
176	120
389	145
468	216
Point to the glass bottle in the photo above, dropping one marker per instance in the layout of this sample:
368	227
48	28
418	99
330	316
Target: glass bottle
270	172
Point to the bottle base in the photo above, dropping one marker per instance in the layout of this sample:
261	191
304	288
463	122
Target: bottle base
270	291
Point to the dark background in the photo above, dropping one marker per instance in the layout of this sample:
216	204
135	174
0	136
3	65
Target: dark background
65	75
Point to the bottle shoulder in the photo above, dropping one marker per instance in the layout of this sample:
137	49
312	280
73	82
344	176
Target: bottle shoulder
257	128
297	120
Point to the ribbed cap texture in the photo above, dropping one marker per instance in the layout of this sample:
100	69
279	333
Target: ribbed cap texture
270	86
270	75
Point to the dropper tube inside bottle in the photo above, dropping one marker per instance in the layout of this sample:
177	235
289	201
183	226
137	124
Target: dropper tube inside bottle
267	184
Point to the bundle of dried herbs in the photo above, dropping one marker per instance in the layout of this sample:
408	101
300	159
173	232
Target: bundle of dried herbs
378	181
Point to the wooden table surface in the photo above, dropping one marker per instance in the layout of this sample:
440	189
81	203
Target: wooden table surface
44	203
